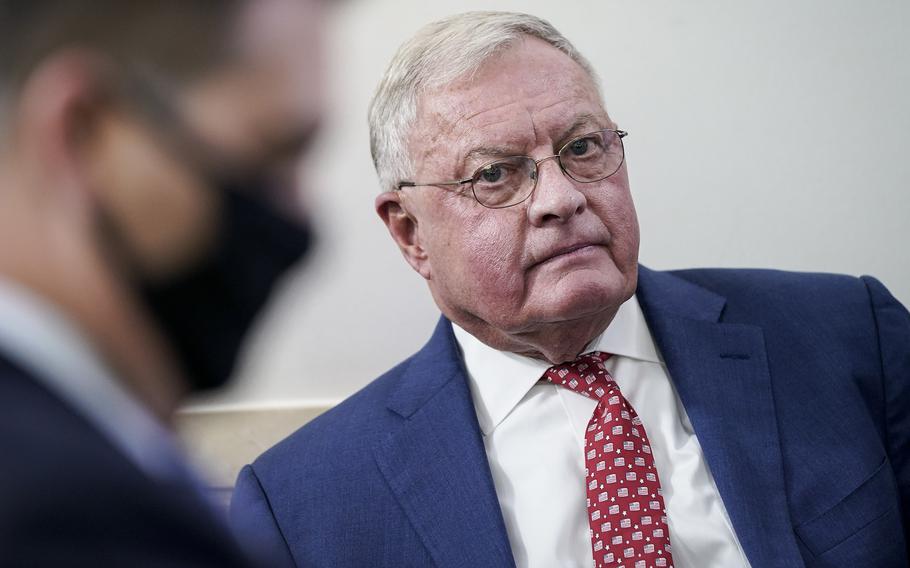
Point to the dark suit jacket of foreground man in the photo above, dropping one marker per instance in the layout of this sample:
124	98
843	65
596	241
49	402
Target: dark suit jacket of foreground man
797	385
69	498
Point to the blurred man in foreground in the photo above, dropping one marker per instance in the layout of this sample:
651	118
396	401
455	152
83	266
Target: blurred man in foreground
574	408
148	158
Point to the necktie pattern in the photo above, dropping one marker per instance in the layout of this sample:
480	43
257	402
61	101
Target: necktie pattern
625	505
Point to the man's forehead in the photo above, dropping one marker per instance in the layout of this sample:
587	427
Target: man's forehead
458	119
530	84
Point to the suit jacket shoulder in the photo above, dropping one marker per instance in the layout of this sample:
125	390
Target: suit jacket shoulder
395	476
69	498
859	323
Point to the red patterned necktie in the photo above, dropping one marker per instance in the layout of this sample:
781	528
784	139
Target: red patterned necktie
625	504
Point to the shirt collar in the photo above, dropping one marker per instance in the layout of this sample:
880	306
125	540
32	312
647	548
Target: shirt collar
499	380
40	338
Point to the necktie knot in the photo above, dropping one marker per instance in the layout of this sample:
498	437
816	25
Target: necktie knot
587	375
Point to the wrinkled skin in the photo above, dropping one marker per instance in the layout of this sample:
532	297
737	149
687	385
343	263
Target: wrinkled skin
505	274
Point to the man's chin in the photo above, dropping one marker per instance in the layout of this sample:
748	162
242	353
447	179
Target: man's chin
574	298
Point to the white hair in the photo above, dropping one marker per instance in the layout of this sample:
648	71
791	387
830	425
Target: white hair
440	53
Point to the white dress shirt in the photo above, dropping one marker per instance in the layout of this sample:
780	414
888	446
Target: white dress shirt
37	337
534	434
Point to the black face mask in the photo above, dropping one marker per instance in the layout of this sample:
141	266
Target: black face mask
205	312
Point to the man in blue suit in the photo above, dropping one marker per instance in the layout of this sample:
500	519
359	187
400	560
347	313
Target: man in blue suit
139	235
574	408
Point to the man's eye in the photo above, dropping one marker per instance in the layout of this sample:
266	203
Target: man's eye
579	147
491	174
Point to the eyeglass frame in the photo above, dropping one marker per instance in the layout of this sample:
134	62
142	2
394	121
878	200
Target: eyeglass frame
619	133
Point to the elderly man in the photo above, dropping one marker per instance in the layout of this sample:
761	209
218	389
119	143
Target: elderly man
139	235
572	407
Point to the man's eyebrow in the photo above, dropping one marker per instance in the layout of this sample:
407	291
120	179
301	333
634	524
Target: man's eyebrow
581	125
485	153
489	152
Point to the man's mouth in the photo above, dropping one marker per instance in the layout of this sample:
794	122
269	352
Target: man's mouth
570	251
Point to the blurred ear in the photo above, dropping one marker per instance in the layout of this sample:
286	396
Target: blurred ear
403	228
56	112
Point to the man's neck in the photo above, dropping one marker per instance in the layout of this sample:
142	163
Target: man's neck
67	272
554	342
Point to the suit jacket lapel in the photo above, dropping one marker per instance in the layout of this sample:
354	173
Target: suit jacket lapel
435	461
721	373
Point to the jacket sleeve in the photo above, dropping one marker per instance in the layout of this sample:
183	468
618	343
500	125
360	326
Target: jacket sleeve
254	522
893	323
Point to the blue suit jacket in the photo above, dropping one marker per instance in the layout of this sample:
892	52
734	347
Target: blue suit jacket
797	385
69	498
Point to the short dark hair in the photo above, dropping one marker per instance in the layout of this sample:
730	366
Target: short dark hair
178	38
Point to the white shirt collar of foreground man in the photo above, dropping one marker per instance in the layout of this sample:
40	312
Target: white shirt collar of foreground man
534	439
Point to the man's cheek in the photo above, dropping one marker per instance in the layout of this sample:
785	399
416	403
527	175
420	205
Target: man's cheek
627	240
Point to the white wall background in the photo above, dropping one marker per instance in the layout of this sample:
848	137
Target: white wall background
764	133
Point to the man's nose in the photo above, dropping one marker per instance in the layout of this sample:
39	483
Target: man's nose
556	198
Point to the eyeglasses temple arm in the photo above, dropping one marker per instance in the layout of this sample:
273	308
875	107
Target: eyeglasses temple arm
416	184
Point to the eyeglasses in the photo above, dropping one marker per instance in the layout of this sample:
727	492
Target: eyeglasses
510	181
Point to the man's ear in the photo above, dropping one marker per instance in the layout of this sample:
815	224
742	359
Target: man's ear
55	113
403	228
